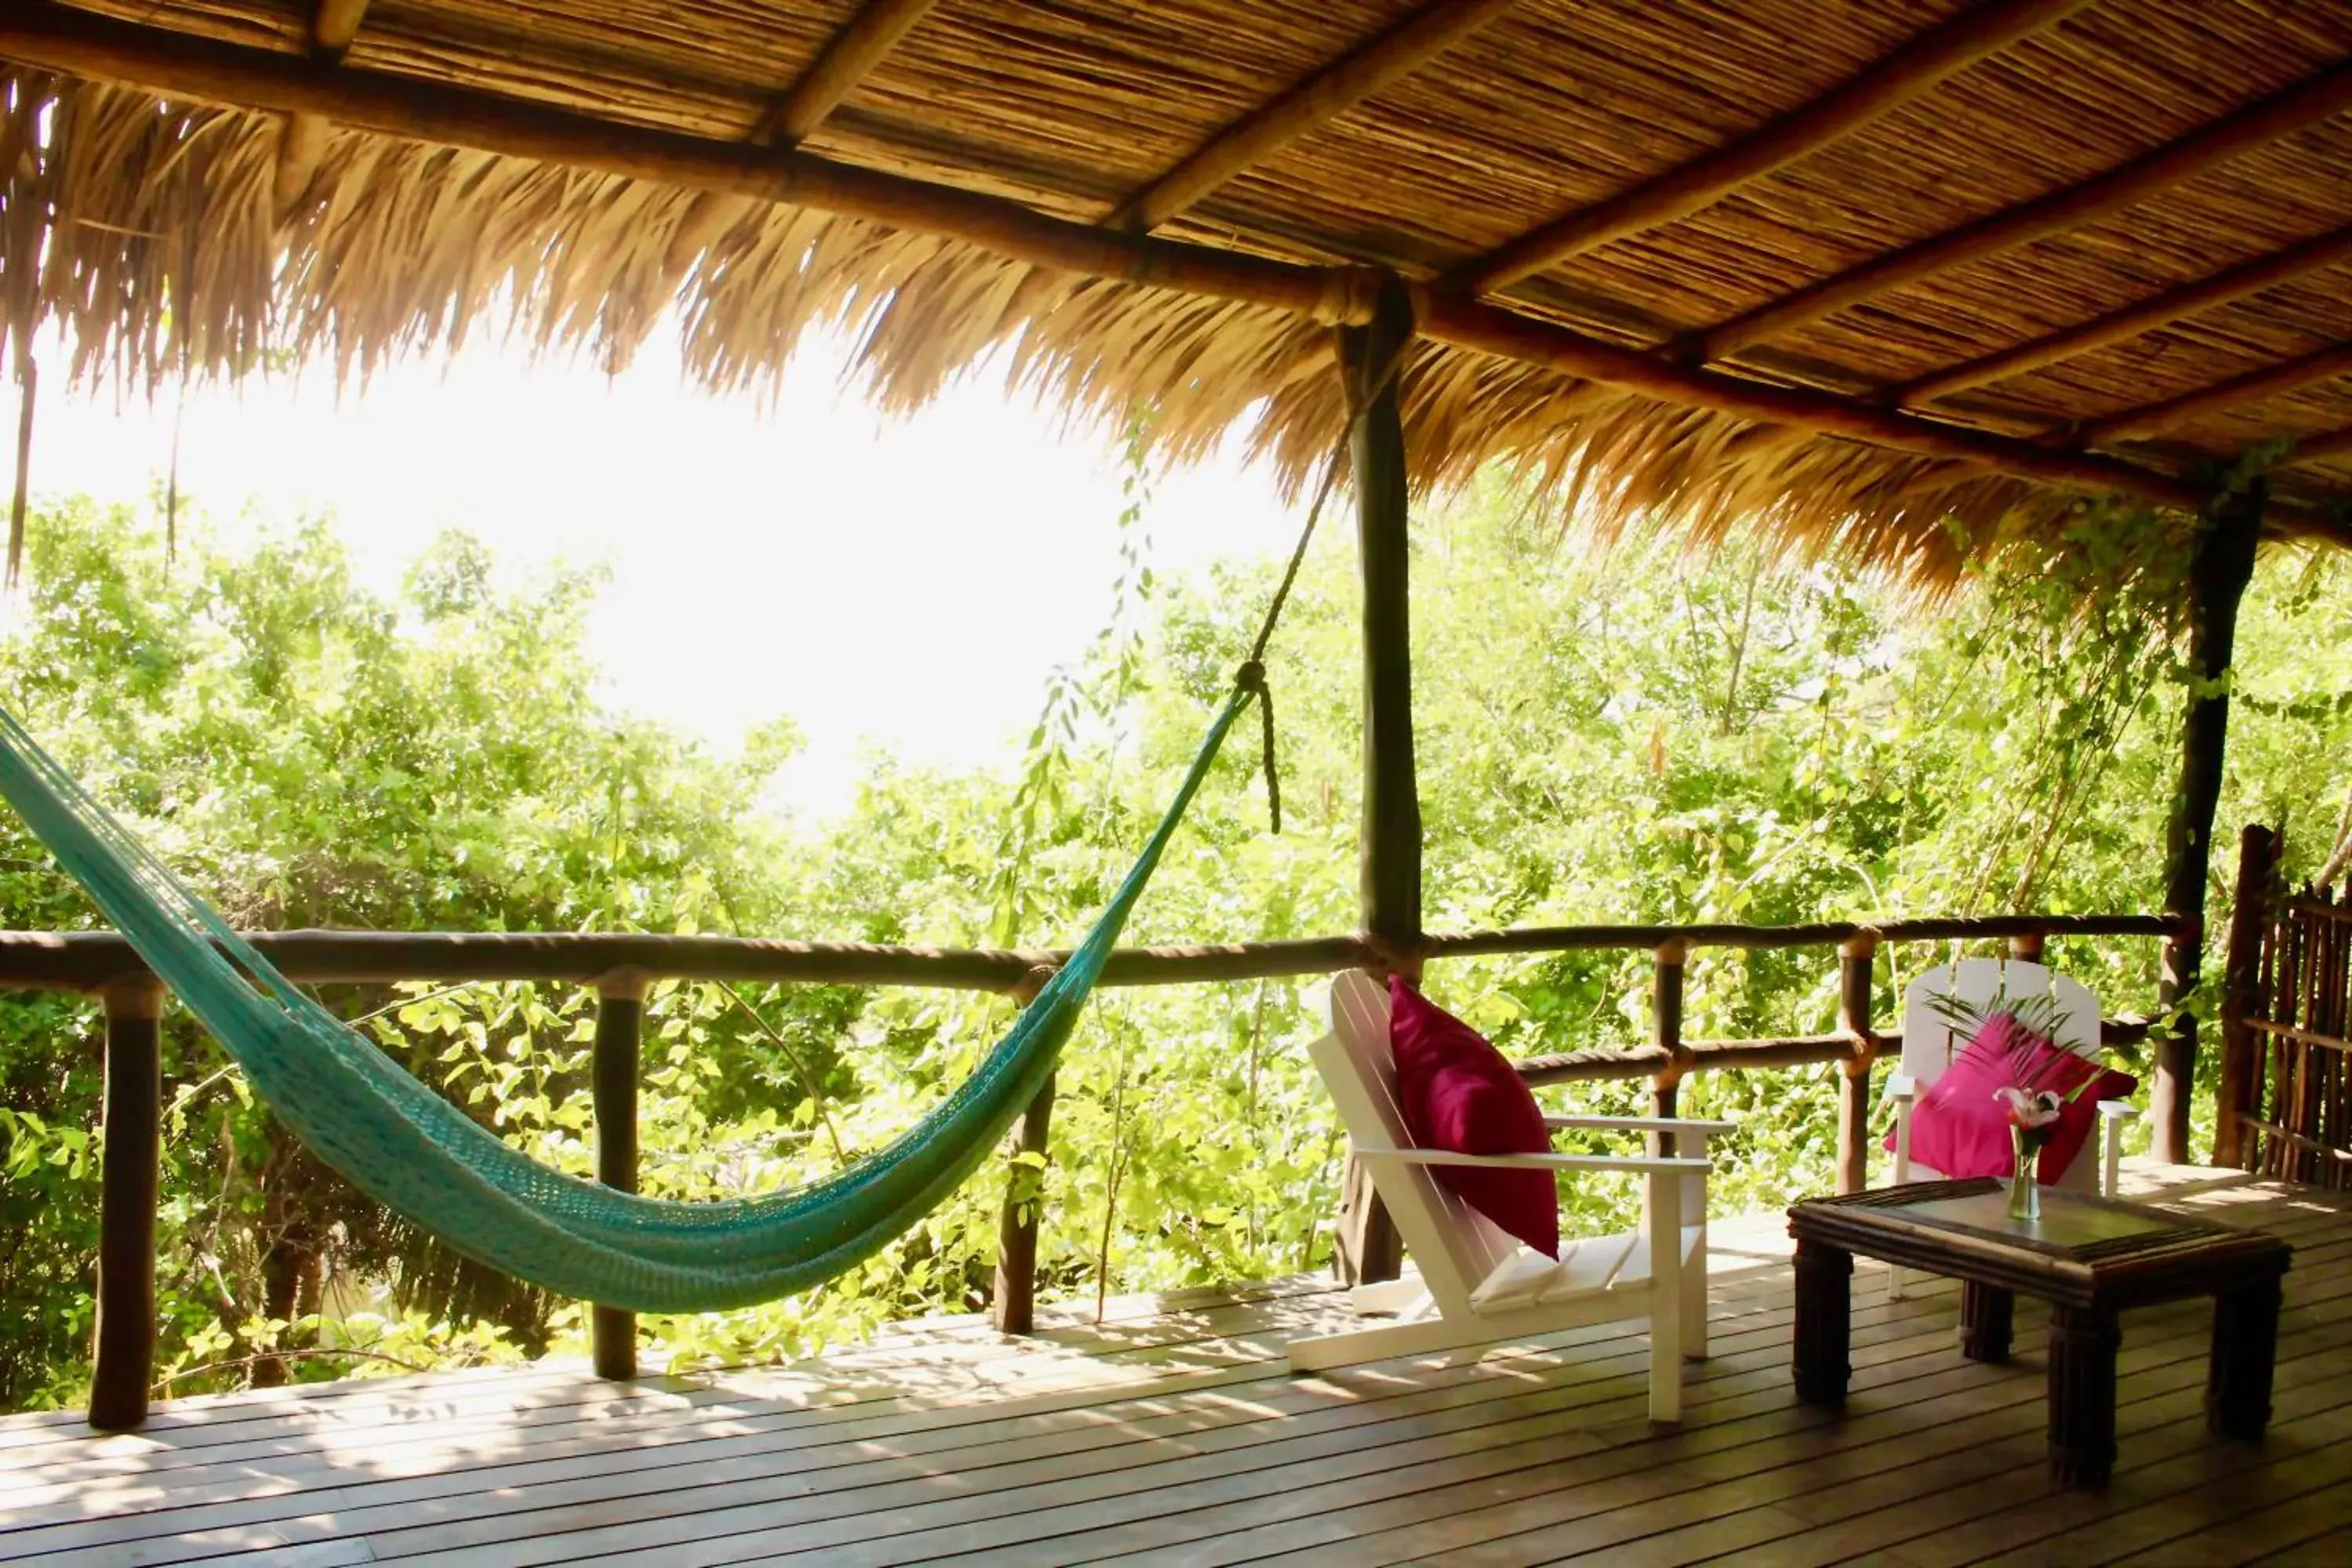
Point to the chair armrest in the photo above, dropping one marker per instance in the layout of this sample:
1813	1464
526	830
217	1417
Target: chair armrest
1641	1124
1902	1086
2118	1109
1663	1166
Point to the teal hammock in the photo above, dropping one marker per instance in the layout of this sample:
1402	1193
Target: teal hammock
413	1152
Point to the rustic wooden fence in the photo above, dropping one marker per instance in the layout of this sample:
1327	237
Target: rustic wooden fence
2284	1102
619	967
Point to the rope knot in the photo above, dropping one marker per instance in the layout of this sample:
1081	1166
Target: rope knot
1250	679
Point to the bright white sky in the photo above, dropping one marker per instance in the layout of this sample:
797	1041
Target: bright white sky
904	583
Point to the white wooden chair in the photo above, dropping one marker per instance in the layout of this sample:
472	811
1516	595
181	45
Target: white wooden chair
1475	1284
1930	1043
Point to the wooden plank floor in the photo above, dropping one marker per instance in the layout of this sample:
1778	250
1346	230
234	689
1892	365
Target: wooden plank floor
1172	1434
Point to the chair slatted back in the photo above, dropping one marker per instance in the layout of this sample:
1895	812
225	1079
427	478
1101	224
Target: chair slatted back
1929	1041
1454	1246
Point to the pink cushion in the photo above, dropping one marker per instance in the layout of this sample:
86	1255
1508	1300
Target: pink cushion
1459	1094
1960	1130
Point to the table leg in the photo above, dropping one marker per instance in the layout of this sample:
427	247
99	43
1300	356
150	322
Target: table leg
1987	1315
1824	1323
2083	1342
2237	1374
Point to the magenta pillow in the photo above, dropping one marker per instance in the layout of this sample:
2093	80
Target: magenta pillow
1960	1129
1459	1094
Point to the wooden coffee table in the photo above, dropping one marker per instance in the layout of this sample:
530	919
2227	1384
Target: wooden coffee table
2088	1257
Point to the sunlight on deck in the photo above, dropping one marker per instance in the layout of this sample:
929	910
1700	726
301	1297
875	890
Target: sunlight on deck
1174	1433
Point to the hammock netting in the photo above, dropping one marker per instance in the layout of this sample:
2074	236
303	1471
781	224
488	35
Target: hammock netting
407	1147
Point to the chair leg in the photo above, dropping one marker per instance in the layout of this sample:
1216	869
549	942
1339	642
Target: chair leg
1405	1298
1902	1174
1694	1308
1669	1288
1667	1364
1432	1336
1427	1337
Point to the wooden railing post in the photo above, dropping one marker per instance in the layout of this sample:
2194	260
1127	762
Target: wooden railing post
2026	947
1016	1230
1370	363
1016	1300
124	1356
620	1026
2217	577
1855	959
2257	868
1666	970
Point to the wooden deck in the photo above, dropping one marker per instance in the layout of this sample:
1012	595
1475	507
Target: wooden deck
1174	1433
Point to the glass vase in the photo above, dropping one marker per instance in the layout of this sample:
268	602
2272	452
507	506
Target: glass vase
2024	1188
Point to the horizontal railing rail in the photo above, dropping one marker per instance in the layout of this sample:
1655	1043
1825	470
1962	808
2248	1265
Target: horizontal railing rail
92	961
620	966
1750	1055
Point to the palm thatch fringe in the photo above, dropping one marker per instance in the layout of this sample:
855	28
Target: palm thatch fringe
164	241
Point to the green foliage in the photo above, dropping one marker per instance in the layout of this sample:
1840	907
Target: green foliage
1630	735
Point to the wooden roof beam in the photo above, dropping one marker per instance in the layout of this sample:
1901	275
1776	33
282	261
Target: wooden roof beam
2243	391
336	25
2133	320
1328	93
2255	125
302	139
87	45
847	58
1919	66
1466	323
2320	448
184	66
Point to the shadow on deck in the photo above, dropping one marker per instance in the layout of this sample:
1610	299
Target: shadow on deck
1174	1433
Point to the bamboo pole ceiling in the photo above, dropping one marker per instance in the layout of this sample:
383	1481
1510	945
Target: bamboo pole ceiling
1845	274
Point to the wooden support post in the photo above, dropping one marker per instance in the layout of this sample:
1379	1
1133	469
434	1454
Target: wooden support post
1667	967
1370	357
1016	1230
1016	1297
124	1356
1855	959
2241	1058
2026	948
2223	565
1392	841
620	1024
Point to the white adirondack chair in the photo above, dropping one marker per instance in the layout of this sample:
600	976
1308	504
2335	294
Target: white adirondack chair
1475	1284
1929	1044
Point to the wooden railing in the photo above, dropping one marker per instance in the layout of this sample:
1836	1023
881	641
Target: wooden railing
620	967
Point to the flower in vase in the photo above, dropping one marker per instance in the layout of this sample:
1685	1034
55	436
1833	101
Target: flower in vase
2030	1111
2032	1116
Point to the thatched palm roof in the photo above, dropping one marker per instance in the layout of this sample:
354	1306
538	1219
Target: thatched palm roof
1849	271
